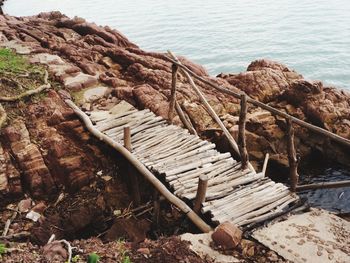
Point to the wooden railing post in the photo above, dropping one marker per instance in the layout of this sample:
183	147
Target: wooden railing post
201	192
241	132
184	120
174	68
292	156
134	182
156	208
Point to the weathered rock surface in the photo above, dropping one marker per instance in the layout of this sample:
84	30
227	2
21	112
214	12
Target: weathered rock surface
48	150
82	55
227	235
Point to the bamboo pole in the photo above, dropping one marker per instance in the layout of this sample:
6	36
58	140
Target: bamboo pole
127	138
156	208
173	92
345	183
134	182
264	106
210	110
265	164
241	132
292	156
183	118
201	191
142	169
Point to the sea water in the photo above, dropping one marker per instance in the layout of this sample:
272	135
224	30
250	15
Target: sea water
310	36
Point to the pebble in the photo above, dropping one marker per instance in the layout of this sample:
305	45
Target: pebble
144	250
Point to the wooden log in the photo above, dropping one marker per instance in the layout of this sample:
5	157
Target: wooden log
142	169
156	208
134	182
241	132
184	119
266	160
201	190
292	156
173	93
264	106
127	138
345	183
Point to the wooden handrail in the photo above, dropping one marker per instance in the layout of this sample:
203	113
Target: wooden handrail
338	184
264	106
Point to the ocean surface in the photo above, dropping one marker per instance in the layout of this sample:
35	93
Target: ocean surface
312	37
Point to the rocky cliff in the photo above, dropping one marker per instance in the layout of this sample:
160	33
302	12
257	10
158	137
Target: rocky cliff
47	146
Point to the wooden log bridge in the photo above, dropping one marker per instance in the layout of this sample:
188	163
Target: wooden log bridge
165	152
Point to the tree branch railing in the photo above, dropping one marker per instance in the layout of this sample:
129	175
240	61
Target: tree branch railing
241	149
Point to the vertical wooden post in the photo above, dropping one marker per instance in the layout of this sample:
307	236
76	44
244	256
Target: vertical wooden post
265	164
174	68
241	132
292	156
156	208
201	192
127	138
133	177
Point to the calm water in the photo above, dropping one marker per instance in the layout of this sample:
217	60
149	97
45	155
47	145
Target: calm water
313	37
310	36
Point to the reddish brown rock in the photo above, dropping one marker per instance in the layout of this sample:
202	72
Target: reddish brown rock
227	235
28	156
10	179
264	80
25	205
39	207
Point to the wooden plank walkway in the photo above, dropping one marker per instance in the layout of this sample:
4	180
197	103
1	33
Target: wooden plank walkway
239	196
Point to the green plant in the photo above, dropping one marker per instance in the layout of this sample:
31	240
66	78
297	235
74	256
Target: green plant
3	249
12	62
93	258
126	259
75	259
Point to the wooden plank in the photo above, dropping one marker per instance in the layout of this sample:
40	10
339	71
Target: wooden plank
236	195
197	164
175	180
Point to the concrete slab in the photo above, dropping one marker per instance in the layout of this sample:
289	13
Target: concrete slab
317	236
200	244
